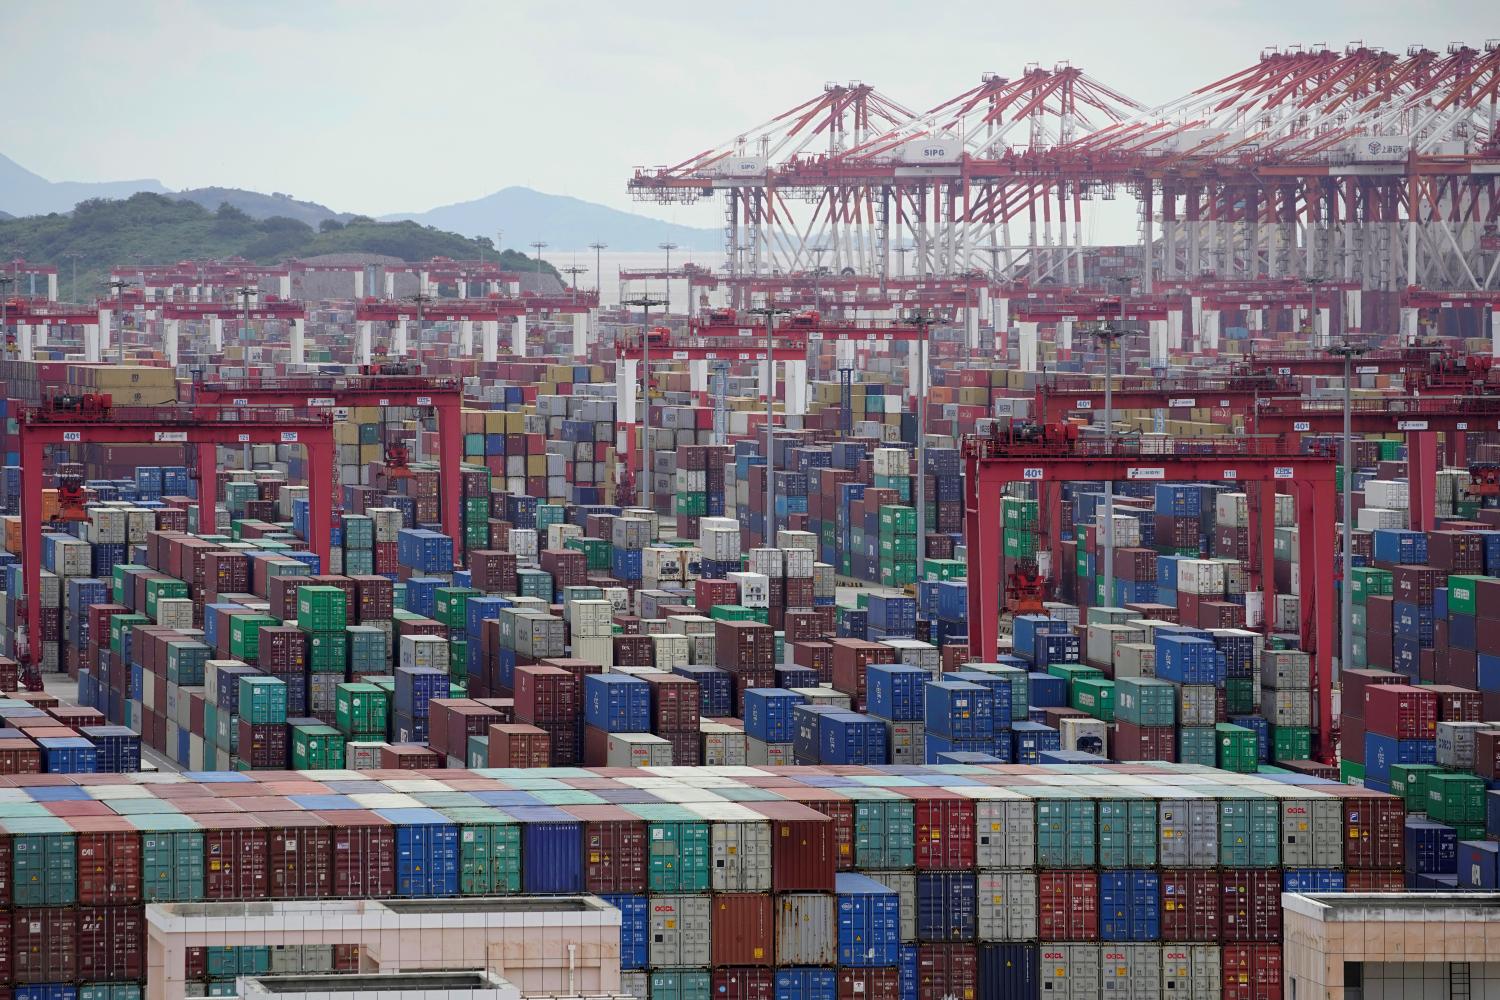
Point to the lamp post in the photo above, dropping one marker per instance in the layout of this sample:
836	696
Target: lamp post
539	246
668	247
421	299
245	293
770	311
598	248
6	281
119	285
1348	352
74	254
922	321
645	304
573	272
1109	336
1313	281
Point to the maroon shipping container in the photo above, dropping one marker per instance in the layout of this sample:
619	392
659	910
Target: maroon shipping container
457	719
301	855
1375	880
1401	711
363	851
235	853
1458	704
850	658
804	841
837	808
1352	738
744	983
1416	584
1460	552
283	649
111	943
744	646
1128	741
109	860
634	650
1487	753
707	593
1068	905
945	829
547	694
569	567
869	984
1190	904
20	756
1251	904
817	656
566	742
675	703
741	929
1251	971
44	945
519	745
947	970
614	849
410	757
263	746
1374	827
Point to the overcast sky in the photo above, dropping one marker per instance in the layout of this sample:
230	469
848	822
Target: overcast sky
375	106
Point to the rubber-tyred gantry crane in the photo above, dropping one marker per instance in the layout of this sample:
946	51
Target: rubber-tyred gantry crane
322	393
1060	396
74	420
992	463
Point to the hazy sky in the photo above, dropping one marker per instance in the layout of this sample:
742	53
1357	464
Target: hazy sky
376	106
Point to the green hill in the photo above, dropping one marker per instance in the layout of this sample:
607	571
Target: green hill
155	229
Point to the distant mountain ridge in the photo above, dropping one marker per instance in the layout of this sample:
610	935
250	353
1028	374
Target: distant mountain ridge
523	214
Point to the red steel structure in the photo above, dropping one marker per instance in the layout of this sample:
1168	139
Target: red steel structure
990	465
207	427
1060	396
323	393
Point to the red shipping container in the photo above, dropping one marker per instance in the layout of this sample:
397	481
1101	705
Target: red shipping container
111	943
410	757
566	742
519	745
1402	711
675	703
301	855
1458	704
6	965
1374	827
109	860
235	853
1251	908
945	829
742	926
869	984
1251	971
1190	904
614	849
804	841
1375	880
1068	906
44	945
363	851
547	694
1129	741
1487	753
744	983
947	970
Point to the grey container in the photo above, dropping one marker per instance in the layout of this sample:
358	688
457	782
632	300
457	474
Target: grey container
1196	705
1130	971
804	929
1312	833
1191	971
680	931
1004	833
638	750
1455	744
636	984
770	754
1189	833
1007	905
540	636
723	746
740	856
907	742
1286	708
904	885
1286	669
1069	971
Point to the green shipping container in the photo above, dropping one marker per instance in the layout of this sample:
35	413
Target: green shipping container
1065	833
160	587
1461	594
946	569
1291	743
450	606
1094	695
690	504
1074	672
1127	833
322	609
489	852
1241	696
1410	782
44	862
1351	772
1237	748
679	850
1019	544
328	652
1455	798
884	833
317	748
1249	827
171	858
680	984
1145	701
1368	581
1198	745
244	635
262	700
897	520
1018	513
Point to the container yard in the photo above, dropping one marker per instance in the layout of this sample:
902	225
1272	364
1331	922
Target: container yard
938	607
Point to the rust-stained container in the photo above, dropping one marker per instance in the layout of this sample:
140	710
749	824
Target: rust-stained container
614	848
947	971
1068	905
803	844
300	858
869	984
944	829
1251	907
1374	827
44	945
805	929
235	854
111	943
742	983
364	854
742	927
519	745
109	860
1190	904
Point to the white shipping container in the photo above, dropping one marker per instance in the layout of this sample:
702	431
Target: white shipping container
1007	905
799	563
638	750
591	619
907	742
1455	743
424	651
1084	735
522	541
719	538
1388	493
362	756
1232	510
891	461
1288	612
1203	577
767	562
823	695
671	652
723	745
558	534
106	526
758	752
755	589
1377	518
1135	659
1127	530
659	562
174	612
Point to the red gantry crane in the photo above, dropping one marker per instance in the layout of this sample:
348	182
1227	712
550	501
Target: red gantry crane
92	419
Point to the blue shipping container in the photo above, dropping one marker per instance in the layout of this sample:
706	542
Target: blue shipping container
617	703
850	738
1009	970
1129	905
551	853
894	691
795	983
960	710
635	928
947	908
869	921
1431	847
770	714
426	852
